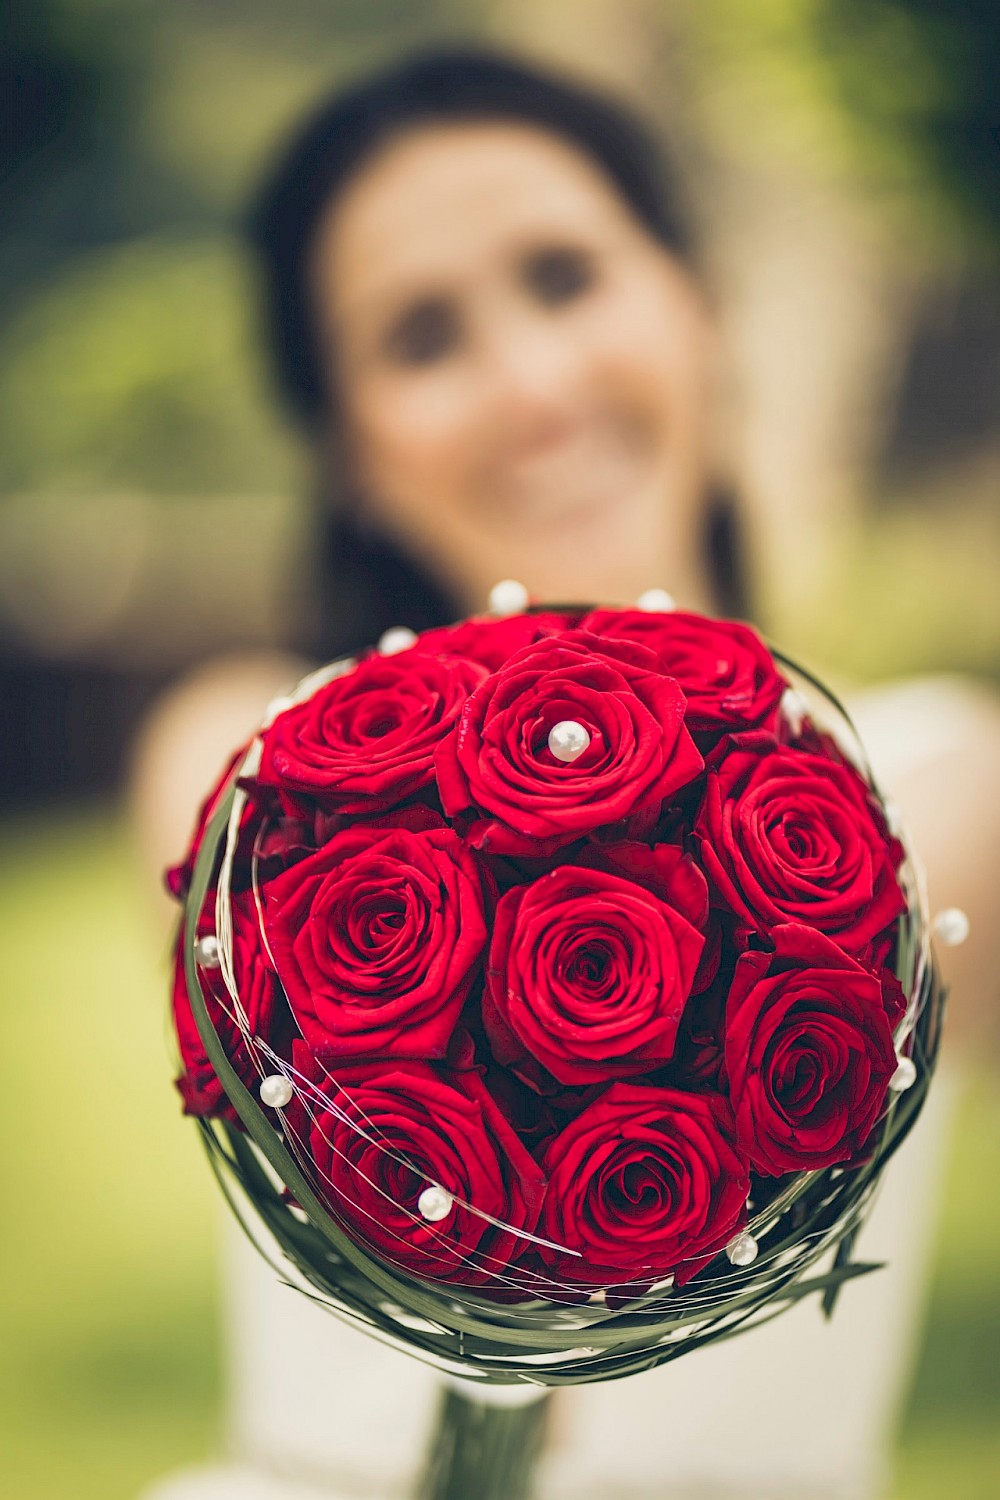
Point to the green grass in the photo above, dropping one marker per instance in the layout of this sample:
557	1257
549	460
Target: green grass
109	1369
949	1447
109	1358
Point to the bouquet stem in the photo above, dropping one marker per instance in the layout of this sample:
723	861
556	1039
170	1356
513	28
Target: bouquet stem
482	1446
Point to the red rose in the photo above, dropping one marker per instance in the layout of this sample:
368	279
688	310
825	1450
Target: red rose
879	958
489	640
535	1117
365	741
199	1086
379	1134
376	937
496	770
698	1061
589	971
727	673
787	836
644	1183
809	1053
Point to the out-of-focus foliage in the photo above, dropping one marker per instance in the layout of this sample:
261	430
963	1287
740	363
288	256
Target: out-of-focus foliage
127	352
900	95
72	79
940	87
137	367
64	78
234	77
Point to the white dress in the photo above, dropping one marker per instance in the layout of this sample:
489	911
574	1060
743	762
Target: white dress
802	1409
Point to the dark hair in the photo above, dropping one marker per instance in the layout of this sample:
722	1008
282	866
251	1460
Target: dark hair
366	581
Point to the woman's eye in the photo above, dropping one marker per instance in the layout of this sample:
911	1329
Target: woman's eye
426	332
558	275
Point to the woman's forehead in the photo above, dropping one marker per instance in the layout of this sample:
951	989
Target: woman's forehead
445	199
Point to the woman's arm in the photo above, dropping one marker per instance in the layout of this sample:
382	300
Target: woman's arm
188	736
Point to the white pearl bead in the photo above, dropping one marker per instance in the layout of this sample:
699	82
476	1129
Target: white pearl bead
276	1091
905	1075
656	602
399	638
794	709
742	1251
206	951
568	740
508	597
952	926
434	1203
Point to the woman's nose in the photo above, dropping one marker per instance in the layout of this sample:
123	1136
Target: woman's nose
531	364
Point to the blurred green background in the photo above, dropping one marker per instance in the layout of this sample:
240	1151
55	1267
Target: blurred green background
841	158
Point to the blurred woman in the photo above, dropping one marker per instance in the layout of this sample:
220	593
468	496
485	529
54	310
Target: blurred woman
485	311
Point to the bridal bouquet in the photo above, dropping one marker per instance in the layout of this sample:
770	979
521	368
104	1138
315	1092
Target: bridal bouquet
553	987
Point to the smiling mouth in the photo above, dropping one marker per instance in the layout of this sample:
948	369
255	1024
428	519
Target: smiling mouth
593	467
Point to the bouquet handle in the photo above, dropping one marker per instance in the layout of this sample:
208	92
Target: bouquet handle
486	1442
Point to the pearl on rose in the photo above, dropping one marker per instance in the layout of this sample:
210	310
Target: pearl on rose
399	638
276	1091
951	926
742	1251
568	740
206	951
434	1203
905	1075
508	597
656	602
